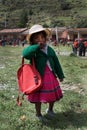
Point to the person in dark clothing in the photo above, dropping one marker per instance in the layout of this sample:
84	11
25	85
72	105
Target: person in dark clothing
82	49
85	47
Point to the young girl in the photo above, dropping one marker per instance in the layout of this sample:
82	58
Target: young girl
49	68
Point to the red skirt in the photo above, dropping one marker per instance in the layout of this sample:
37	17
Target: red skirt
50	91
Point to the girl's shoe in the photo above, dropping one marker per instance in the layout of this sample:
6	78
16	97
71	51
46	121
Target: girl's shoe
41	118
50	113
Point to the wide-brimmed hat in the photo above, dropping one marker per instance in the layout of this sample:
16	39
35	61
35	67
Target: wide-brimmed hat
37	28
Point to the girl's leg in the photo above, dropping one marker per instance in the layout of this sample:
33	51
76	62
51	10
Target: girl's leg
38	108
50	111
51	106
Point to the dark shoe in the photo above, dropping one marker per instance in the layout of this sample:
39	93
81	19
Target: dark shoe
50	113
41	118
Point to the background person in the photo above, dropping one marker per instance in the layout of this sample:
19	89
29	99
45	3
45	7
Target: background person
82	49
85	47
75	46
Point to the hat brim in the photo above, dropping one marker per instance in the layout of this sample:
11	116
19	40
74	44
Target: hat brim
47	31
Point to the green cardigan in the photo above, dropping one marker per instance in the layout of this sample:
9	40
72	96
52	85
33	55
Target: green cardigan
41	59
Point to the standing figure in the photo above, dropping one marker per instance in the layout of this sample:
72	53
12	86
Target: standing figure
48	66
81	48
75	46
85	47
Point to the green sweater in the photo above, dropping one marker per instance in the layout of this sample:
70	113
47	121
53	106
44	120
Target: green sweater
41	59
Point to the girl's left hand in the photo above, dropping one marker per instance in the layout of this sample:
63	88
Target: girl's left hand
61	80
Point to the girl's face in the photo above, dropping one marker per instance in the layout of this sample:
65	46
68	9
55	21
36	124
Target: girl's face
39	38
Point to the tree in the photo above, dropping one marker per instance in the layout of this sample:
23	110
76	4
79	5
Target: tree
65	5
82	23
58	23
23	19
3	2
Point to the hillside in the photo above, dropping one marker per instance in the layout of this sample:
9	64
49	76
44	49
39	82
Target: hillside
50	13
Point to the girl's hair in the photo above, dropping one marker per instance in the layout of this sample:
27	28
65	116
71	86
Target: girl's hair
32	36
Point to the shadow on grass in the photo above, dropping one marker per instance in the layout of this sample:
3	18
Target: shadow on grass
68	118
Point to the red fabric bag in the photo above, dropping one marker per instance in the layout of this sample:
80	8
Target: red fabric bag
28	78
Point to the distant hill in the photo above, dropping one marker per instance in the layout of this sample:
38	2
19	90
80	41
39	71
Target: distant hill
49	13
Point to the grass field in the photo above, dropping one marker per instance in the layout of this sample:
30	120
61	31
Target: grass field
71	111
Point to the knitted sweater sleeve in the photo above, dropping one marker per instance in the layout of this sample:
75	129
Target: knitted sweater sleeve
58	67
30	51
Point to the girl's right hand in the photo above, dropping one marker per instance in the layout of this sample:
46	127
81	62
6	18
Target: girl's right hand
42	45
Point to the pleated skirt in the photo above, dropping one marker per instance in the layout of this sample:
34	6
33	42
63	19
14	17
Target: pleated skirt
50	90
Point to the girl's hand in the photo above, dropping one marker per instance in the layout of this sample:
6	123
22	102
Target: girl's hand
61	80
42	45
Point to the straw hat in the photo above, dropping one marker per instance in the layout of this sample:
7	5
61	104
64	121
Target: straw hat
37	28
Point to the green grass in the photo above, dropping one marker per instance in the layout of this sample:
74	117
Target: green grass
71	111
